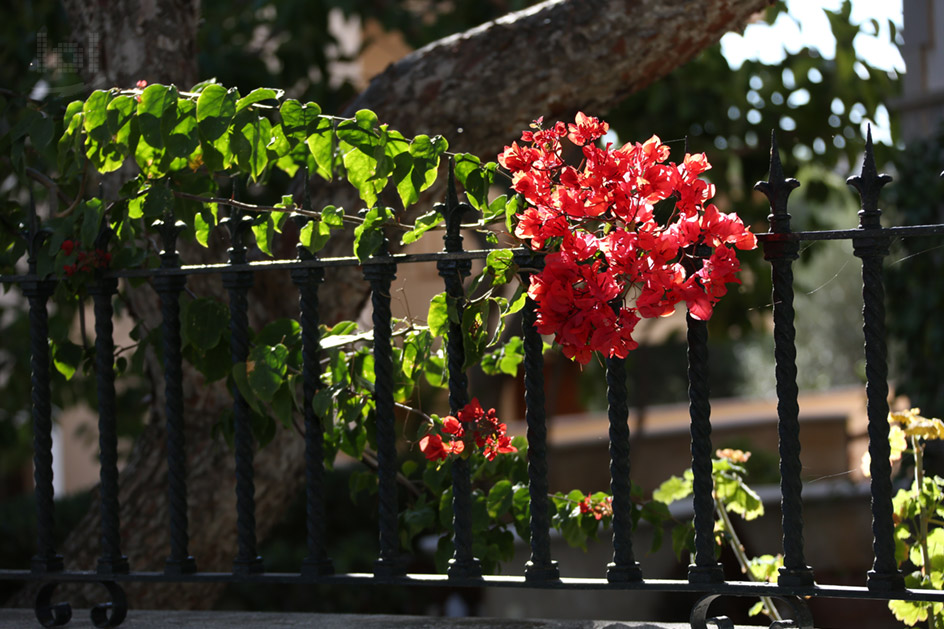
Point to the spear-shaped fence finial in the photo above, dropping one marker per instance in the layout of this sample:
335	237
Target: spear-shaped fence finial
869	184
777	189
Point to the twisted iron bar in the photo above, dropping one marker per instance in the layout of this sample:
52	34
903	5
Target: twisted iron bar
179	560
463	563
307	280
247	558
624	566
794	570
781	254
706	568
390	562
46	558
884	574
111	561
169	288
872	248
540	567
238	283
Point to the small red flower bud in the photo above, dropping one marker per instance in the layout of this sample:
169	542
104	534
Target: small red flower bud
141	84
67	247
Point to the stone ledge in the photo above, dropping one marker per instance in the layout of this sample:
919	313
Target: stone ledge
146	619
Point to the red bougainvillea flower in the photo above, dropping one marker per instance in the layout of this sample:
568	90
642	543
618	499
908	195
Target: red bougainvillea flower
610	262
599	508
473	427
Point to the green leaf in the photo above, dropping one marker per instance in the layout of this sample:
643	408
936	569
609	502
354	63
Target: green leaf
737	496
314	235
299	121
499	500
283	404
476	178
201	228
416	170
673	489
910	612
501	265
362	145
203	321
422	225
95	120
438	316
263	231
158	200
66	357
120	113
474	332
241	378
183	138
265	369
495	209
512	356
683	539
521	507
333	216
71	138
216	107
157	110
252	135
321	144
257	96
92	212
369	236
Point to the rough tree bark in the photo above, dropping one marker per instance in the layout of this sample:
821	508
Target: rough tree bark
479	89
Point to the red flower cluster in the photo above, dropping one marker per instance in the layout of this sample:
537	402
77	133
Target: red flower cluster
611	262
86	261
600	509
474	425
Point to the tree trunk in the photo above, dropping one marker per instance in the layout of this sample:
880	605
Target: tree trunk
153	40
479	89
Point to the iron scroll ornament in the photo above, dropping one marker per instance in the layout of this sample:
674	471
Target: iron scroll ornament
110	614
802	618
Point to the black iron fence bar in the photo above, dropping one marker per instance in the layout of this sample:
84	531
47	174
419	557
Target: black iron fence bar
454	271
237	283
102	291
705	568
781	254
46	558
37	293
624	566
169	288
307	281
872	247
540	567
380	276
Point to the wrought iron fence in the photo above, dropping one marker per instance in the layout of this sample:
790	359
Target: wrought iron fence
796	580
